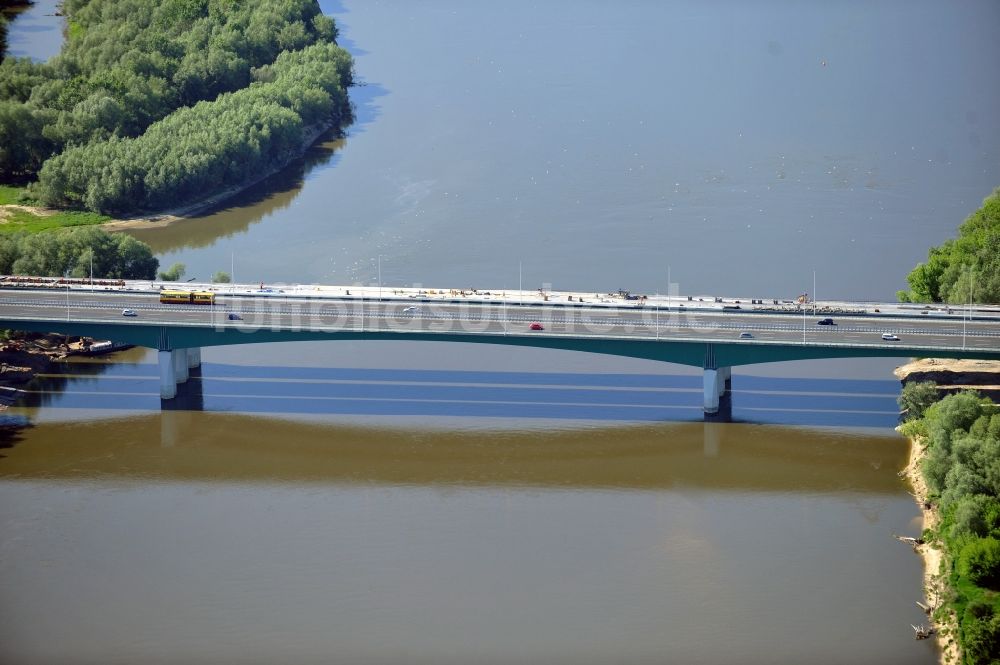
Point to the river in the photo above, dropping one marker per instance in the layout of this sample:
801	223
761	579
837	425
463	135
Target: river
377	502
37	30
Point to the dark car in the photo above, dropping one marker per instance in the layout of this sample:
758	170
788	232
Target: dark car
826	322
536	326
233	316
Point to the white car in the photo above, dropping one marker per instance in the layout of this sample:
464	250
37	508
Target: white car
410	310
128	312
889	337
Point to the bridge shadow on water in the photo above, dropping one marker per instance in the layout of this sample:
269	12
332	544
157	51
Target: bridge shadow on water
513	396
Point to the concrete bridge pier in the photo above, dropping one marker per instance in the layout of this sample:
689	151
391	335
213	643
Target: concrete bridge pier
168	374
716	381
175	366
180	365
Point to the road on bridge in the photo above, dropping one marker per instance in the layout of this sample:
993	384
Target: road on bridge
629	321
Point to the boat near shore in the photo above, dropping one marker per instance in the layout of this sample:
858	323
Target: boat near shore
96	348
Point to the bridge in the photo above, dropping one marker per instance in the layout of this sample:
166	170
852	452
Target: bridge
712	333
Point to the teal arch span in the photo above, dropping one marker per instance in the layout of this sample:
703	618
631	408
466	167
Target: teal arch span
706	354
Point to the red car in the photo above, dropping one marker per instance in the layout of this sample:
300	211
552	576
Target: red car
536	326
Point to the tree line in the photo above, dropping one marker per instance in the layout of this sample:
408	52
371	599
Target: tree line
962	469
963	269
152	103
77	252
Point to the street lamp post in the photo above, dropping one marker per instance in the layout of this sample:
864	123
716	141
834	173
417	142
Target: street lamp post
814	293
380	278
963	327
971	277
504	315
520	296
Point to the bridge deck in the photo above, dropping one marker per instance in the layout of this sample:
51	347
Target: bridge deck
714	334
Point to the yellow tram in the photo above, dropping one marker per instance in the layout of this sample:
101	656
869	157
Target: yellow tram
188	297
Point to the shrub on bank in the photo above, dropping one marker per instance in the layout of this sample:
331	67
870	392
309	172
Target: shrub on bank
980	634
916	397
975	516
962	469
979	561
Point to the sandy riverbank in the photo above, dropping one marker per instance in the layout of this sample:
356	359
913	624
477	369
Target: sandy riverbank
953	375
935	570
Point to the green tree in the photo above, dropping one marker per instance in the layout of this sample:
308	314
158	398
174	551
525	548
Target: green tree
88	122
173	273
979	561
962	268
962	433
975	516
221	278
23	147
73	251
955	412
208	146
944	423
916	397
134	259
980	638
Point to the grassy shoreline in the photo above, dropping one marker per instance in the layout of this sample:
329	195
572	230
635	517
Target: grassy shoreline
18	213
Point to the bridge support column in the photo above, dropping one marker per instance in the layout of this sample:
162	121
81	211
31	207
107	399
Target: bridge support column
711	396
716	382
725	380
194	357
168	377
180	365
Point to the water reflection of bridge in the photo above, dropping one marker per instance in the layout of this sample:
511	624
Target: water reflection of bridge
220	447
